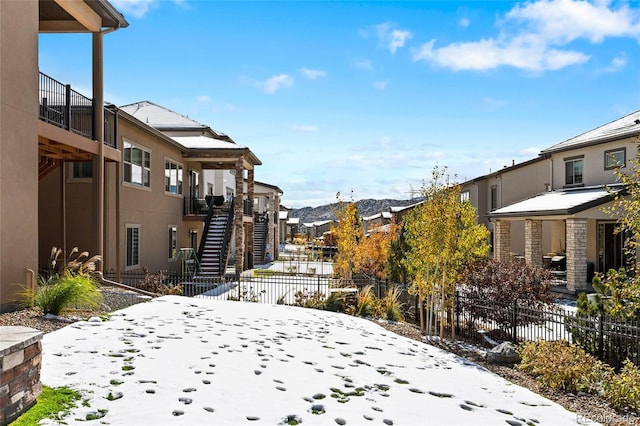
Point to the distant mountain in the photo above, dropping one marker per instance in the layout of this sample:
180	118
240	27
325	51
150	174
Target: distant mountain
367	207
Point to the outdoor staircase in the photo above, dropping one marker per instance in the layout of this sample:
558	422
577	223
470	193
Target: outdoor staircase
259	239
212	258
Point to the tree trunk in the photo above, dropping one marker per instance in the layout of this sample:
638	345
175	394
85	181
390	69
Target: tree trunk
442	302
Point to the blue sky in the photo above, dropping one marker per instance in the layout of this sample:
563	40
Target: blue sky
366	98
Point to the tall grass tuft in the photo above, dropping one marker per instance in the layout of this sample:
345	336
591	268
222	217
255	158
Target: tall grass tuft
71	286
366	302
390	305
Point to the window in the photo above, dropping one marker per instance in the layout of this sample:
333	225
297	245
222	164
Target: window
82	170
465	196
230	194
573	170
494	197
615	158
137	165
133	246
172	177
173	241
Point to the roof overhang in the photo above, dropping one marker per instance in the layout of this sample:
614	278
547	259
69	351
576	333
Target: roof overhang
79	16
565	202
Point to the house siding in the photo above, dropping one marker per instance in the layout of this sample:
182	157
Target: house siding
18	146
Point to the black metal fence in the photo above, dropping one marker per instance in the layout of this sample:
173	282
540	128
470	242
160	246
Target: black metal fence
610	340
475	320
262	287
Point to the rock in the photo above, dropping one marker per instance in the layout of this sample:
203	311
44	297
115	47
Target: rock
504	353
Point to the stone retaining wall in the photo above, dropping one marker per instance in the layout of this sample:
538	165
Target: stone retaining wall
20	360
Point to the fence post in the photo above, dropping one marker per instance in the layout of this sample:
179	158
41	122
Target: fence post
457	310
514	323
67	111
601	335
318	284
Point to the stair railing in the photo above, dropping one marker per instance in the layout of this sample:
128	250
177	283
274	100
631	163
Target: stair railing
226	238
205	231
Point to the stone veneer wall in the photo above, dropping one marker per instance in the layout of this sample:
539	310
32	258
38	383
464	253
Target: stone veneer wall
577	254
502	240
20	360
533	242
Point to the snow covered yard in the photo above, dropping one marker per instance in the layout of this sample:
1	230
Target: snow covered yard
182	361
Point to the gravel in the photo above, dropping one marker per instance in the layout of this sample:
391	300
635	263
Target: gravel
590	406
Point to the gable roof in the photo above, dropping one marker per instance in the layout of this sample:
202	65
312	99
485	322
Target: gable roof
626	126
165	119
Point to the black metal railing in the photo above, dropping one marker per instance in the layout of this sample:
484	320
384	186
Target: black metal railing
196	206
247	208
64	107
224	250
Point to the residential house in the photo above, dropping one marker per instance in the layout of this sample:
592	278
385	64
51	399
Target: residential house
566	218
283	218
369	223
266	211
316	230
43	124
208	159
507	186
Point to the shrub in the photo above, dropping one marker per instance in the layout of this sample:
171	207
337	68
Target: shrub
563	366
71	286
616	296
501	284
622	391
155	283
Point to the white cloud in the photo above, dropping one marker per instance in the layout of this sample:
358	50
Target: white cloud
363	64
464	22
305	128
493	104
567	20
275	83
525	53
312	74
535	36
392	38
380	85
617	63
135	8
203	98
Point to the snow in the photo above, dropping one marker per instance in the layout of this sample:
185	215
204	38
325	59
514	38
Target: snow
185	361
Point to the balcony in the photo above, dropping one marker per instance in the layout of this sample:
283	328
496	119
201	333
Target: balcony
62	106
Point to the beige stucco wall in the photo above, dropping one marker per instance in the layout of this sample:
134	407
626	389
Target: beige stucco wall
594	172
18	145
152	208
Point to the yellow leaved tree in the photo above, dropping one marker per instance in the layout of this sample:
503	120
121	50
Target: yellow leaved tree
440	235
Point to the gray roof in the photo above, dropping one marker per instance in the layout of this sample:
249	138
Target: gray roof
560	202
163	118
626	126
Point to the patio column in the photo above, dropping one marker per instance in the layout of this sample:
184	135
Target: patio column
98	132
250	225
533	242
577	254
502	240
237	216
